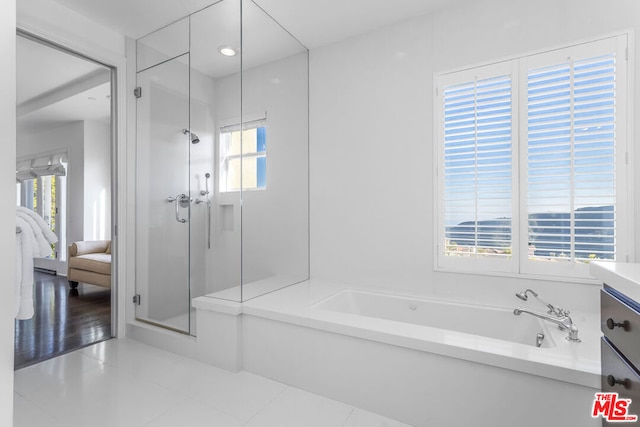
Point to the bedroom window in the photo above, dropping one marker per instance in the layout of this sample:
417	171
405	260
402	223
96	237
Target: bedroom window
532	162
243	157
41	186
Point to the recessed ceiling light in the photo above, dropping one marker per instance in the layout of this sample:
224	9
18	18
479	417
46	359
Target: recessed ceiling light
227	51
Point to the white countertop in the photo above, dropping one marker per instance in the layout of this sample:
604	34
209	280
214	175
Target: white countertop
624	277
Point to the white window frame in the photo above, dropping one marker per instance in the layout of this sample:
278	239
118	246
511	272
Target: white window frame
224	159
517	67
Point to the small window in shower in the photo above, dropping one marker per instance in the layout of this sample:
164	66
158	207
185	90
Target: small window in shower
243	157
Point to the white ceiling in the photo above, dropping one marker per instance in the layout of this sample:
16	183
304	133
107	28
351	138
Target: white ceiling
35	60
54	87
319	22
263	40
312	22
93	104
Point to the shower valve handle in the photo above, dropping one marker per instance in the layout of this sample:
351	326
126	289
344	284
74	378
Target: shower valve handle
179	200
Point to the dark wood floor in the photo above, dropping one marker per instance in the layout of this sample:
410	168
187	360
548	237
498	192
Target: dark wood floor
64	320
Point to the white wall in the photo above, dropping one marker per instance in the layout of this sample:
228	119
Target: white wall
372	219
97	181
69	28
7	216
370	158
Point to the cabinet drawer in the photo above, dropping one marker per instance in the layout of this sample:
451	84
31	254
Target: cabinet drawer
613	364
621	325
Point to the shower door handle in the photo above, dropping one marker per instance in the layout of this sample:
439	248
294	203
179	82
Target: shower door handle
180	200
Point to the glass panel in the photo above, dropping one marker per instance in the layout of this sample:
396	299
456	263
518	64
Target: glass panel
215	102
167	43
162	196
240	243
274	219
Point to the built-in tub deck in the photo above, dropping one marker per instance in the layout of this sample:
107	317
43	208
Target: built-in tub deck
469	332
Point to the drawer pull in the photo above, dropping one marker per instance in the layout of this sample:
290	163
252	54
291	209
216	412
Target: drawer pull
611	324
612	381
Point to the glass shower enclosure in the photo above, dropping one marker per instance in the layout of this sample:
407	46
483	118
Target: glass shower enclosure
222	204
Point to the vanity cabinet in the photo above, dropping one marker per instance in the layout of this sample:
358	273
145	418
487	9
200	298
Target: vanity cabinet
620	347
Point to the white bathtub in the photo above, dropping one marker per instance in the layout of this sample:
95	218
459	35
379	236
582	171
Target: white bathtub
491	322
422	361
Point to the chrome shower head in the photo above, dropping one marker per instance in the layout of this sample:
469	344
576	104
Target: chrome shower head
523	294
193	136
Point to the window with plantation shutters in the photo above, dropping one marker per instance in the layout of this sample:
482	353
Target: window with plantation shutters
531	162
477	167
571	160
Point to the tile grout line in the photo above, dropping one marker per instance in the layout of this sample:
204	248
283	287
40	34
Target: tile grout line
259	411
353	409
40	408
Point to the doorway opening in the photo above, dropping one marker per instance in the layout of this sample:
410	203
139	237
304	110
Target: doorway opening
64	168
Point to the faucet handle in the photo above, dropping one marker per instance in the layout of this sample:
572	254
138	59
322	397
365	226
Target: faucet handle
559	312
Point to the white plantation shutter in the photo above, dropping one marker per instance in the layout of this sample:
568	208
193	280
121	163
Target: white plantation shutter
571	160
477	159
477	171
573	179
531	173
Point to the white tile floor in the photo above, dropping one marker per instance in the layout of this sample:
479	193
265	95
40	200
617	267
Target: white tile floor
123	383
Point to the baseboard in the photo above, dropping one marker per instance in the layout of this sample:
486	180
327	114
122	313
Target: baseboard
45	270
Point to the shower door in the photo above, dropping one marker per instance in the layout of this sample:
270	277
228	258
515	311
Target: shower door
163	200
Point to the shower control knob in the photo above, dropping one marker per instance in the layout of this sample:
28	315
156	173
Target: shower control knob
183	200
611	324
612	381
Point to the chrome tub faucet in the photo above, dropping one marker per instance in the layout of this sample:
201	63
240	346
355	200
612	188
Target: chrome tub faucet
564	322
559	316
560	312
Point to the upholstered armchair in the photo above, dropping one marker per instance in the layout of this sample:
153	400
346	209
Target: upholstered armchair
90	262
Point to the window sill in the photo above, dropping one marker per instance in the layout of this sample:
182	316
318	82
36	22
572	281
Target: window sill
559	279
